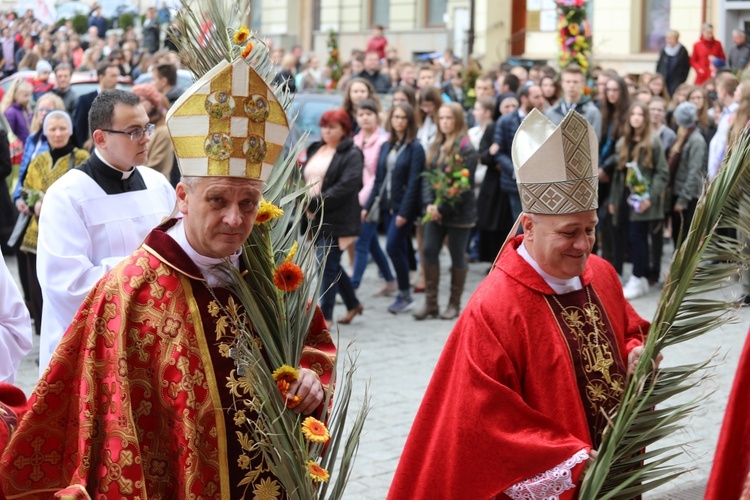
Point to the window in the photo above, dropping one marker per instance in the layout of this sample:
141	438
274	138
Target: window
256	20
381	12
655	24
436	9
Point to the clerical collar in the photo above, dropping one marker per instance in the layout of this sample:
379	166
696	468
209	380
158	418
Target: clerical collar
560	286
213	269
116	172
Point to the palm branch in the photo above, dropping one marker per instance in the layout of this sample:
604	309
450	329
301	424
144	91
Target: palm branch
280	319
702	265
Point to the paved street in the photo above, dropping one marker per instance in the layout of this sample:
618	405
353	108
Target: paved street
398	354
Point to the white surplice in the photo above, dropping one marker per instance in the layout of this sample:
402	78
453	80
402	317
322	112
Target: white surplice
15	326
83	233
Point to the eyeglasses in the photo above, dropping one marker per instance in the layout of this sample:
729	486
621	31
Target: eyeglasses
137	134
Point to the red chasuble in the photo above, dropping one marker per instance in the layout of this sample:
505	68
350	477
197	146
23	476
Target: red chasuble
142	398
505	401
730	475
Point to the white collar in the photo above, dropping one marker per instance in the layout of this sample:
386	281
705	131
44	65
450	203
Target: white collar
560	286
125	173
213	269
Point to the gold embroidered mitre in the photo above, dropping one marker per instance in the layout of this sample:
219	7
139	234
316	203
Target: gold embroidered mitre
556	166
228	123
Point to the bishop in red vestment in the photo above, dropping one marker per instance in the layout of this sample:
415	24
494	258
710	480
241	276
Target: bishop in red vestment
540	356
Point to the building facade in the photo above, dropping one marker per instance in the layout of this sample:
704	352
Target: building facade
626	35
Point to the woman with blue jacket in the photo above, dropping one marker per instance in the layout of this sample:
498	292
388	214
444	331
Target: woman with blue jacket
397	189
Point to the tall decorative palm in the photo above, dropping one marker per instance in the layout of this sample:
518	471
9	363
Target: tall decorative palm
702	266
280	315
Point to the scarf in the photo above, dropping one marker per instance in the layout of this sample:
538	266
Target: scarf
672	51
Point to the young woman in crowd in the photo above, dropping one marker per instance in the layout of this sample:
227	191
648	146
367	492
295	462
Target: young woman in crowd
356	91
687	167
450	152
43	171
369	140
634	219
706	125
397	189
658	87
333	173
551	90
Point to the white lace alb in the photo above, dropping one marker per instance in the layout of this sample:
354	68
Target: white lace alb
548	485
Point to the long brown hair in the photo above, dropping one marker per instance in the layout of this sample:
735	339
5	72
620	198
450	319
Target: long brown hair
642	143
742	115
442	146
615	114
411	124
347	104
702	113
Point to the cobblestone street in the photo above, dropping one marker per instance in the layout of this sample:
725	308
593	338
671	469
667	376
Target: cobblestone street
396	359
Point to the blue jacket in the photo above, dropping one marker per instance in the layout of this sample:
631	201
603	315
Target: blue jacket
505	130
29	152
406	180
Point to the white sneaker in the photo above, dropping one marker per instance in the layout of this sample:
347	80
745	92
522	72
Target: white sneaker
635	287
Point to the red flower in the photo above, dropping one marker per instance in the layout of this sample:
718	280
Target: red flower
288	277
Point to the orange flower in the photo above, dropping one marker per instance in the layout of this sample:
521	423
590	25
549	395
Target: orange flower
246	51
465	172
288	277
314	430
317	473
290	402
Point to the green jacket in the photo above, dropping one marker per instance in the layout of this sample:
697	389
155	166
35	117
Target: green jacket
657	178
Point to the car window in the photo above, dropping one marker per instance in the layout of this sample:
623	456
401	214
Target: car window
310	113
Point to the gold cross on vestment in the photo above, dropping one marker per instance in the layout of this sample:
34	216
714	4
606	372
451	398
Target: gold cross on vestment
37	459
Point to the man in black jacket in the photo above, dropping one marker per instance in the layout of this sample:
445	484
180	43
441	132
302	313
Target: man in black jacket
531	97
739	55
674	62
372	73
108	74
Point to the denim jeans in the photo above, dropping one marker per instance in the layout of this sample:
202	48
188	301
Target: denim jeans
367	243
398	246
335	280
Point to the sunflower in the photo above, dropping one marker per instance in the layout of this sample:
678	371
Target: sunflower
286	372
267	211
317	473
315	430
241	35
288	277
246	51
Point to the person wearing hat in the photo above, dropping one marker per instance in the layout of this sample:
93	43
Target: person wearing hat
44	170
41	83
687	169
145	398
508	410
97	213
705	48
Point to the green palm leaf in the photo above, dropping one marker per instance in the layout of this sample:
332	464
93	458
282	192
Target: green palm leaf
703	264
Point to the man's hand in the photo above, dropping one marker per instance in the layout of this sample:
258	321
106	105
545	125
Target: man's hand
310	390
635	356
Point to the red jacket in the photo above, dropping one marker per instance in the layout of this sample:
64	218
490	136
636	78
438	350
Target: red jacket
699	59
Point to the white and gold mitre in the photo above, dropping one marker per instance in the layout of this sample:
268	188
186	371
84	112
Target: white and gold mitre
228	123
556	166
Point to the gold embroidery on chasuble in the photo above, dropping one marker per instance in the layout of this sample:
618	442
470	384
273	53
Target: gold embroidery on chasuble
253	477
600	371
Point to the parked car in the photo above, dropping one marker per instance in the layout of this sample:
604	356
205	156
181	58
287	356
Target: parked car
185	78
80	82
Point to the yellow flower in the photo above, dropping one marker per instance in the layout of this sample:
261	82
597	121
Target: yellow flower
574	29
286	372
243	462
267	211
239	417
315	430
292	252
241	35
317	473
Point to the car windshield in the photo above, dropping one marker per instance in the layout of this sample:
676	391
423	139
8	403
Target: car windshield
310	113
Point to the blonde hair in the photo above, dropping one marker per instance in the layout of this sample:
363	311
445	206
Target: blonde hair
10	96
57	103
742	115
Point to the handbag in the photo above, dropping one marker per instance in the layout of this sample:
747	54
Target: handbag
373	215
